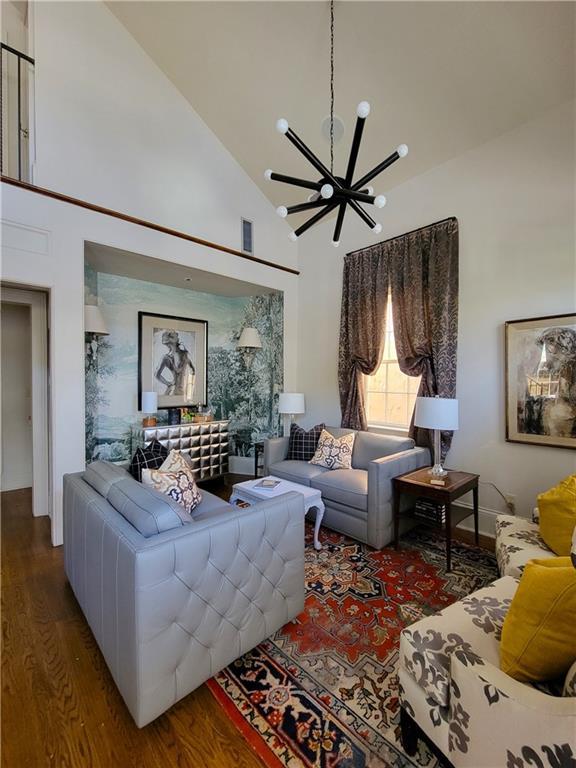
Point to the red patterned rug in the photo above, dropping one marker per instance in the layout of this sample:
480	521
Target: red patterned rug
322	692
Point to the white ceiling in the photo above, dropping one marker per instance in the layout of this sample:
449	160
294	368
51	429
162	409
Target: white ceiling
115	261
443	77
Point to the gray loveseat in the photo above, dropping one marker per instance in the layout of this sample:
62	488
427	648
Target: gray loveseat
358	500
172	600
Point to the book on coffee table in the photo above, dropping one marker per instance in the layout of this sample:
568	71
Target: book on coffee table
268	484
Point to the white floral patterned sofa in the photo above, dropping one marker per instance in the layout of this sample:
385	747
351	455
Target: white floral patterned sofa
518	540
453	691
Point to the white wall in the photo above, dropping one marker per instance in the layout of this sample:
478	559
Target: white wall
16	346
112	129
514	199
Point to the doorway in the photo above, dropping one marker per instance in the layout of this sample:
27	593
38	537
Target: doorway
24	395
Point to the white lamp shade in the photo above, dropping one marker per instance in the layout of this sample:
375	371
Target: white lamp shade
436	413
149	402
250	338
291	402
93	320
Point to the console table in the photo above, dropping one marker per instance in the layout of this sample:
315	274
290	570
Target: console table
456	484
206	444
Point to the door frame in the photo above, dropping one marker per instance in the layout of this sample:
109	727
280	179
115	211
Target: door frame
38	303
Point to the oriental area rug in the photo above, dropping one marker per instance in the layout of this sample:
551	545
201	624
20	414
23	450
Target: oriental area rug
323	692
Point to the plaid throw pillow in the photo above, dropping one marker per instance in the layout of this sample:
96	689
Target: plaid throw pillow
302	445
151	456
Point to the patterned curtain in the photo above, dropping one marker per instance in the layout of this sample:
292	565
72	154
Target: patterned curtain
422	271
364	299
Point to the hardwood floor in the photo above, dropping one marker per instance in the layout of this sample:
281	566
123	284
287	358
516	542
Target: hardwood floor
60	706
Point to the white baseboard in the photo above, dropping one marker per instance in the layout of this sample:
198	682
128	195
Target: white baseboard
486	519
241	465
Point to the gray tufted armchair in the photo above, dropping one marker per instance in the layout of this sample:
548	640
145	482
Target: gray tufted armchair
171	609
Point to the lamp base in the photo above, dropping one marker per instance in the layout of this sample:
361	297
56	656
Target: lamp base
149	421
438	471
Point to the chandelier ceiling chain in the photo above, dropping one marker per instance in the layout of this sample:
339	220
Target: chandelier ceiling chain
331	86
329	191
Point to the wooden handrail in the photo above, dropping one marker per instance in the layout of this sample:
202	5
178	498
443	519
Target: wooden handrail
142	223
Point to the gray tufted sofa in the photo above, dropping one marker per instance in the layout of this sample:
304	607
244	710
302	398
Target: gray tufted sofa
171	601
358	500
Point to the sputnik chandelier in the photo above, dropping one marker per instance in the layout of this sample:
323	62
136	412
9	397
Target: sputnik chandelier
330	191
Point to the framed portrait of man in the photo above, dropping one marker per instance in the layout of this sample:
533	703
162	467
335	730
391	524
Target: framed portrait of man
541	381
172	359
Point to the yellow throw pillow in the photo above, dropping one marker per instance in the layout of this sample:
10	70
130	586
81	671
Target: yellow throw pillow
538	637
557	509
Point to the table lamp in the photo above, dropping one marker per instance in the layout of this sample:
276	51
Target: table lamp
149	406
291	403
437	414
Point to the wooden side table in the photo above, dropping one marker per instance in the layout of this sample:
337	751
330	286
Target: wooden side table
456	484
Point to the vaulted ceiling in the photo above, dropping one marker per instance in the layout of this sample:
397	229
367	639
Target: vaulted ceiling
442	77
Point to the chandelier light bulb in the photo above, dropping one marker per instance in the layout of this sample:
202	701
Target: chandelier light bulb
282	125
282	211
363	109
293	236
402	150
335	243
327	191
268	174
380	201
377	228
370	190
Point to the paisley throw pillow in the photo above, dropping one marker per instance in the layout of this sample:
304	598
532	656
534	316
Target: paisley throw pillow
174	462
179	485
334	452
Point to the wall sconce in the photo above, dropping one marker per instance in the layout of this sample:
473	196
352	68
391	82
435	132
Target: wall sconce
248	344
94	326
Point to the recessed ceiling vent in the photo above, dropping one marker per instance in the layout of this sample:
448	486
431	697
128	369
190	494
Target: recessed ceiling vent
247	236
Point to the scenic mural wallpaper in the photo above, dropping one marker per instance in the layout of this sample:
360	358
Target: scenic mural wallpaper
248	397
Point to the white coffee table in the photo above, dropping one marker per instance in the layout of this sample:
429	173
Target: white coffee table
249	493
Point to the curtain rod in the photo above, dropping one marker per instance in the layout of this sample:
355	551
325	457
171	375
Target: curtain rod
404	234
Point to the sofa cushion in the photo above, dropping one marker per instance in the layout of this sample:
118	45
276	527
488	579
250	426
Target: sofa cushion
210	506
296	471
346	486
557	508
370	446
538	638
147	510
302	443
517	541
150	457
471	628
102	475
179	485
334	452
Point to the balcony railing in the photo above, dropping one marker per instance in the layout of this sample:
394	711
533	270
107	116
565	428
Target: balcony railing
17	109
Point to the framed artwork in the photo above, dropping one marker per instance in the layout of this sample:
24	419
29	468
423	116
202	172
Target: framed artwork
172	359
541	381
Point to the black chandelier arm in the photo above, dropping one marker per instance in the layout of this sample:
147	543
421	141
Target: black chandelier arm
351	194
295	182
362	213
377	170
354	150
315	219
306	206
311	157
339	223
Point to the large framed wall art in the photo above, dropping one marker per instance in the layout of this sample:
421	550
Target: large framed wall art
172	359
541	381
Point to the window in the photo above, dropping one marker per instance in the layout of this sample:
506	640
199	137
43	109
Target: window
390	394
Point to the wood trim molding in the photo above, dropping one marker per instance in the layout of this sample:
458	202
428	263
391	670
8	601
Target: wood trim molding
142	223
